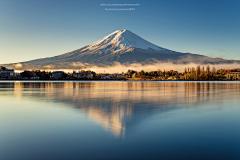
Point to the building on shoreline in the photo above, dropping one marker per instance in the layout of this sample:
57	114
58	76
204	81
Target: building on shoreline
82	75
233	75
57	74
7	73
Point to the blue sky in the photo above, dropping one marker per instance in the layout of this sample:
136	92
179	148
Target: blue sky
31	29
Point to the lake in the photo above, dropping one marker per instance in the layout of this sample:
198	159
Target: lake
119	120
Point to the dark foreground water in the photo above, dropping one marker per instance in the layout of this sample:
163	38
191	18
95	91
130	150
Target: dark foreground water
119	120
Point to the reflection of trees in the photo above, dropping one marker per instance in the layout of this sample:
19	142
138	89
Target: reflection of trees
113	104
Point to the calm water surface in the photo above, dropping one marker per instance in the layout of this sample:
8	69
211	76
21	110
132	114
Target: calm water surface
119	120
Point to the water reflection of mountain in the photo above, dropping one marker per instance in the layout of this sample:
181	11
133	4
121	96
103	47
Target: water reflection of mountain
119	105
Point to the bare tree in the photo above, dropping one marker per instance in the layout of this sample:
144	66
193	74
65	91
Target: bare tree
203	73
208	72
213	71
185	73
208	69
198	72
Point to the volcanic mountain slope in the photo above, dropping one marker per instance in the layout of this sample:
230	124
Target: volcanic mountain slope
121	46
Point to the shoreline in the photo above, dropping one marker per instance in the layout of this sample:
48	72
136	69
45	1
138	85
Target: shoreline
115	81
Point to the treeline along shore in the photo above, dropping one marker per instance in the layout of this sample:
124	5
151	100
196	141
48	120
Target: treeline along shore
198	73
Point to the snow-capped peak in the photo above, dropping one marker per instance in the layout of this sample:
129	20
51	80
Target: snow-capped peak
121	40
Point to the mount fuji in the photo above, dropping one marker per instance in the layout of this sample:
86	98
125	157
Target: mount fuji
121	46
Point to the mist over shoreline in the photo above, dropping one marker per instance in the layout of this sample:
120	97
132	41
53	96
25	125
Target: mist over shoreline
119	68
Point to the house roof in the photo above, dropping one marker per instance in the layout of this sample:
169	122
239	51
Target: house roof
58	72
